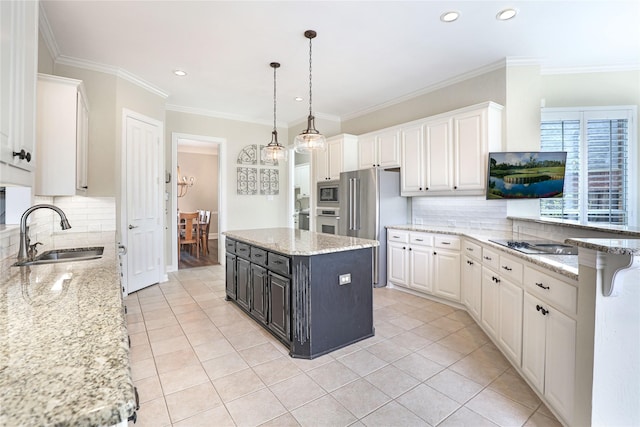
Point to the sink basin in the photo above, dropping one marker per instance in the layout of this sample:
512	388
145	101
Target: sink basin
556	248
64	255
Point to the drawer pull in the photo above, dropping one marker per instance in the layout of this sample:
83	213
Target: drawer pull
542	310
541	285
257	255
469	262
507	268
396	237
488	258
242	250
446	243
278	262
419	240
470	249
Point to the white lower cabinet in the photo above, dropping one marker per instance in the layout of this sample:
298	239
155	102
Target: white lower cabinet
420	268
502	305
471	284
397	263
446	273
549	351
528	312
424	262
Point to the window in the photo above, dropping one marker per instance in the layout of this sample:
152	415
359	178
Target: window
600	168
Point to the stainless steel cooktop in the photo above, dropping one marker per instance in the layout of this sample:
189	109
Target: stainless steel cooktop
538	247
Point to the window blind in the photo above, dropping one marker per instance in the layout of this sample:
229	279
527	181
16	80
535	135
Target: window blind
596	181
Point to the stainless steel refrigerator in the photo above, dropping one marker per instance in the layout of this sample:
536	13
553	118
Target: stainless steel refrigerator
369	201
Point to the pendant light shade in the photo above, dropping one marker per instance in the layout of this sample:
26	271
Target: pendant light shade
274	150
310	139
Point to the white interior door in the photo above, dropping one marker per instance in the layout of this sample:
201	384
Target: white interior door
142	223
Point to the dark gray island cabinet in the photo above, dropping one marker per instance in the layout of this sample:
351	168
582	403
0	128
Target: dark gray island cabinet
312	291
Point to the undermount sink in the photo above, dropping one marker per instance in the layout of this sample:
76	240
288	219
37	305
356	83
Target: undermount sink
64	255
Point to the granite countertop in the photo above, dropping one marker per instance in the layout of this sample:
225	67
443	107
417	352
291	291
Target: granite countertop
610	246
627	230
64	353
292	241
566	265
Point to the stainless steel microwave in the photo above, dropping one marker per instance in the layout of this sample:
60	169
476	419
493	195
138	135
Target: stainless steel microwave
328	193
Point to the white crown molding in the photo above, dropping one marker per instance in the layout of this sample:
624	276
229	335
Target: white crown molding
593	69
108	69
459	78
522	61
47	34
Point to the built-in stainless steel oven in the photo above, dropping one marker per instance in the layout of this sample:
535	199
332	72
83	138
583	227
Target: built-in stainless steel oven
327	220
327	194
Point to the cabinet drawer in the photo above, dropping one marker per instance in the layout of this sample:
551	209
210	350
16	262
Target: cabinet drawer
447	242
490	259
472	250
421	239
230	245
511	269
243	250
554	291
278	263
397	236
259	256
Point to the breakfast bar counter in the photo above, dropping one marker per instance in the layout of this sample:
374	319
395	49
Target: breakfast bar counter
63	343
312	291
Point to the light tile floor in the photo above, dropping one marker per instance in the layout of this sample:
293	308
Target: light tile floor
197	360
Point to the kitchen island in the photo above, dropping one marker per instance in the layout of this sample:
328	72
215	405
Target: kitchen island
63	341
312	291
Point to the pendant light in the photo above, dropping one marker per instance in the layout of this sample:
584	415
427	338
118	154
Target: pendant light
310	139
274	150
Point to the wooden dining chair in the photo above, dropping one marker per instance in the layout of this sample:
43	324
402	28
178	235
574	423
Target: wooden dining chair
189	232
205	219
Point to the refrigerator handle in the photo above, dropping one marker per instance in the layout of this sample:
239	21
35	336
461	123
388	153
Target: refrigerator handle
356	204
350	204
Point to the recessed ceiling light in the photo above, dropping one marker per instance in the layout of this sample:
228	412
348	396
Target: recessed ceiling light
180	73
506	14
449	16
298	98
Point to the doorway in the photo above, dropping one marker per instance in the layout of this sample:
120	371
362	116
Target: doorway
198	171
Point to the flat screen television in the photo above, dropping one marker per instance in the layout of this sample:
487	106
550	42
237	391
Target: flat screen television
526	175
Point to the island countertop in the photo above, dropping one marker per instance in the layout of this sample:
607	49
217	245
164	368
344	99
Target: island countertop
292	241
63	343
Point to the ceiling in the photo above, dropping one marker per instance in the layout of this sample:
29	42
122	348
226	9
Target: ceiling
366	54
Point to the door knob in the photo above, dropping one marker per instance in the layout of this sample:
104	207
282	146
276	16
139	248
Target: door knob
131	227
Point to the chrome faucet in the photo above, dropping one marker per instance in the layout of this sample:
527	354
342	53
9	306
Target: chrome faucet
28	251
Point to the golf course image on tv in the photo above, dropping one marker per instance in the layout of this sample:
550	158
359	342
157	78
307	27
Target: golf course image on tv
526	175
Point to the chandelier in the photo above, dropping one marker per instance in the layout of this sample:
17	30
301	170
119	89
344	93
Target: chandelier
184	183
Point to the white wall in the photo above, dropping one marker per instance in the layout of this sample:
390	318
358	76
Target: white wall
243	212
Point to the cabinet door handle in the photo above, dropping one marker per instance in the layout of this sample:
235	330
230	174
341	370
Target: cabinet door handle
541	285
410	249
22	155
542	310
495	279
507	268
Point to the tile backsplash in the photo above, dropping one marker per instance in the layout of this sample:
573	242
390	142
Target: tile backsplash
464	212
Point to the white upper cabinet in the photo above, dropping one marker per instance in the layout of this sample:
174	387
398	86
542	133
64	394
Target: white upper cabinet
379	149
449	155
62	136
18	66
340	156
